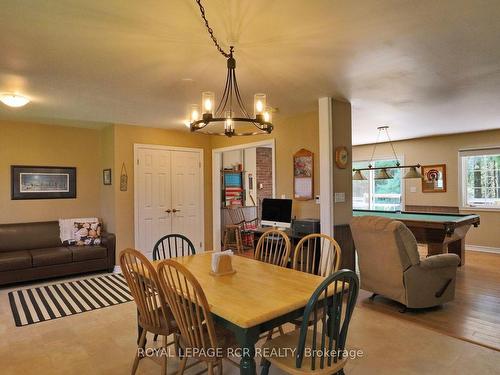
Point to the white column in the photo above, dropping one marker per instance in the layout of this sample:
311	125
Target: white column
326	165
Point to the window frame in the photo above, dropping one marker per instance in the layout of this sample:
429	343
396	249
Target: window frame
372	181
462	183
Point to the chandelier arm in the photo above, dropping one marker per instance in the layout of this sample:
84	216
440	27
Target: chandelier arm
375	146
211	32
220	107
238	96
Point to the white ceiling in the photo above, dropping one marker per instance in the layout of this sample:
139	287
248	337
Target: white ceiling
424	67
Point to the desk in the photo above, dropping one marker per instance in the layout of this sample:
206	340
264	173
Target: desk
257	298
441	232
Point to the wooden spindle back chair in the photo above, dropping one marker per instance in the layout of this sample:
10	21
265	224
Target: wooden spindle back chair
330	308
318	254
273	247
153	312
172	246
191	311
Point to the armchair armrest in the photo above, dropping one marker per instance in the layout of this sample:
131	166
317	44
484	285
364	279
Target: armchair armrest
108	240
440	261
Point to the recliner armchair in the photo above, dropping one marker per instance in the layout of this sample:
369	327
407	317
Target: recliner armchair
390	264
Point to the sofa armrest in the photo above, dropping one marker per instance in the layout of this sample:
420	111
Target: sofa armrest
108	240
440	261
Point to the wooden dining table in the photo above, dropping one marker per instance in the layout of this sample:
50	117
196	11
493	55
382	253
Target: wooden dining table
255	299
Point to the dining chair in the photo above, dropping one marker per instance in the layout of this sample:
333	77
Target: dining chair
154	314
318	348
198	334
274	248
247	226
317	254
172	246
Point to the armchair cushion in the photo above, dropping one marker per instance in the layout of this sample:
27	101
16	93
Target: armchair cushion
440	261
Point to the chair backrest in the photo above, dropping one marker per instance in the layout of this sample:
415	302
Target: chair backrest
142	281
386	248
318	254
273	247
236	214
329	310
172	246
189	305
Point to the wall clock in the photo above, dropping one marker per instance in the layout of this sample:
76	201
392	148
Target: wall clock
341	157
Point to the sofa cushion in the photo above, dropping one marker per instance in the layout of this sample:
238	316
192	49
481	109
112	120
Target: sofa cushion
82	253
15	260
27	236
51	256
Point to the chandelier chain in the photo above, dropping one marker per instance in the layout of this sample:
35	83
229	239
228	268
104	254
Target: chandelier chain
211	32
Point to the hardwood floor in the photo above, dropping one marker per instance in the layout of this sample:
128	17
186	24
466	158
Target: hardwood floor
473	316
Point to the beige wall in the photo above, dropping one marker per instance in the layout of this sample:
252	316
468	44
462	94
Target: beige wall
291	134
439	150
124	138
34	144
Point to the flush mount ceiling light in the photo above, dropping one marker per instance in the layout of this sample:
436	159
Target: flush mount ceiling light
224	114
14	100
382	173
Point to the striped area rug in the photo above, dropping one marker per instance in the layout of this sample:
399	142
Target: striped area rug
40	304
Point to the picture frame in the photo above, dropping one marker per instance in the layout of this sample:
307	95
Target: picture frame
433	178
42	182
303	175
106	176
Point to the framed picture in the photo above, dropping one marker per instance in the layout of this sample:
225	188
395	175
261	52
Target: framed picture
106	176
34	182
434	178
303	175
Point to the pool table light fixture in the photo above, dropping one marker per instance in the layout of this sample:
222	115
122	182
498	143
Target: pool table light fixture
383	173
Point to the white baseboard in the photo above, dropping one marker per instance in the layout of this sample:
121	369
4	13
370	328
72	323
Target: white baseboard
484	249
117	269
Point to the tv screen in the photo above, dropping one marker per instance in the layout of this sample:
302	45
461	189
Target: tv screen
276	212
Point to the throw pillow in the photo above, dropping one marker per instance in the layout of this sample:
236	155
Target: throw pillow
87	234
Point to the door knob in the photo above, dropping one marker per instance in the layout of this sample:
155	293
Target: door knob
175	210
168	211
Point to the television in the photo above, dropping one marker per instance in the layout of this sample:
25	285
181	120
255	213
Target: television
277	213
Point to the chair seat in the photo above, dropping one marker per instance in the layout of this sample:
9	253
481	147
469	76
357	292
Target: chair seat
15	260
51	256
163	329
287	363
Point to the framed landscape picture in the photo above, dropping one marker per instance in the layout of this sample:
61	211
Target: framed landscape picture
34	182
434	178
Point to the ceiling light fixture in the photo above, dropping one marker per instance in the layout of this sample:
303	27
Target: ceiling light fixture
224	114
14	100
383	173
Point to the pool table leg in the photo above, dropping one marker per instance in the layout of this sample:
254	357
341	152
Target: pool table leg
435	248
458	247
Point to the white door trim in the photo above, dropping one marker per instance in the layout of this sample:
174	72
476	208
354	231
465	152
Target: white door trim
216	192
200	151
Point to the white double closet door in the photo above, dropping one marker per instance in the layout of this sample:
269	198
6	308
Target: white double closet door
168	196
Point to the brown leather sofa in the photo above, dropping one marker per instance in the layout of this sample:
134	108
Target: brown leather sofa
32	251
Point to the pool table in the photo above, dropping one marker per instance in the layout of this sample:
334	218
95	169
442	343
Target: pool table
442	232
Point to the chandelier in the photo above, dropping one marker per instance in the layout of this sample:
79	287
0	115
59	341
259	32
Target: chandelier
224	114
383	173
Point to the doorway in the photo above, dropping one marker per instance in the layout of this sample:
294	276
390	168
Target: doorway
168	195
242	176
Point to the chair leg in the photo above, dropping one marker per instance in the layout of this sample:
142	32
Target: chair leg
219	367
165	359
155	337
182	366
340	372
142	340
210	367
280	328
265	367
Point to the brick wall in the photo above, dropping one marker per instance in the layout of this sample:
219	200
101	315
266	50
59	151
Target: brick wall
264	161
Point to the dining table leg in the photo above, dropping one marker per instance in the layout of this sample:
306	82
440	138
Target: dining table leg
247	338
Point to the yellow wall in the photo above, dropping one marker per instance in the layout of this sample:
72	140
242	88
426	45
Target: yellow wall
124	138
34	144
443	150
291	134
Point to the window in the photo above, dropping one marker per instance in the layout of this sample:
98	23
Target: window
480	176
383	195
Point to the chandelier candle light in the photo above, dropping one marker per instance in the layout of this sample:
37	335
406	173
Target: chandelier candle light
383	173
223	113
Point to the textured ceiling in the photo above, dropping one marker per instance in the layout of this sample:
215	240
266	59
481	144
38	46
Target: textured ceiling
423	67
